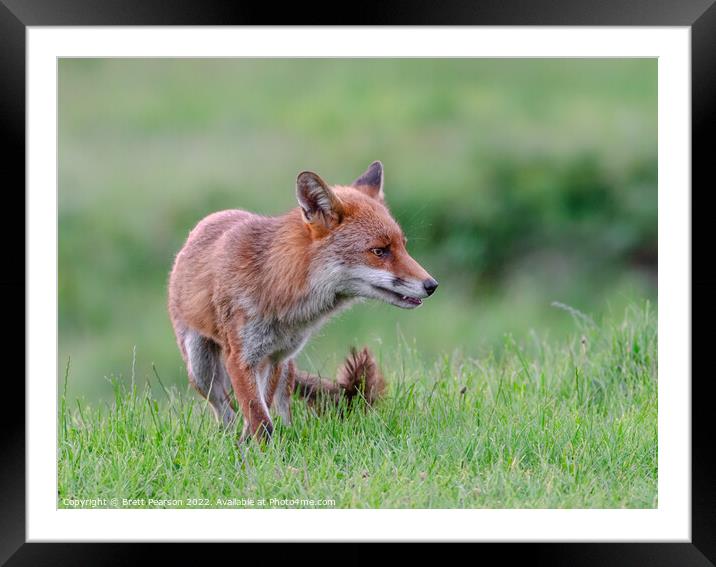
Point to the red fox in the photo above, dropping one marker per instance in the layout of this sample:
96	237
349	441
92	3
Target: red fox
247	291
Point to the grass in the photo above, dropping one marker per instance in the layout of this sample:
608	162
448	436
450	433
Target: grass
539	423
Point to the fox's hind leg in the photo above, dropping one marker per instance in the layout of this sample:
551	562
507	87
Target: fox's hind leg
208	375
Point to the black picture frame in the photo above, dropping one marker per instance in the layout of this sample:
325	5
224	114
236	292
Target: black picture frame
699	15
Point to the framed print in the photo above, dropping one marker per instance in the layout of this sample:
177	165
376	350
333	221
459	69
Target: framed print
431	280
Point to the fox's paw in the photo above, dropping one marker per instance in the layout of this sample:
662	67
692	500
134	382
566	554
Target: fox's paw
360	375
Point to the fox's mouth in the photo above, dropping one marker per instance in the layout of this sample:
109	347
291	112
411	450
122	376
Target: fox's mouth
404	301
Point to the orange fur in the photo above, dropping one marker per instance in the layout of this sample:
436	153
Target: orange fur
256	287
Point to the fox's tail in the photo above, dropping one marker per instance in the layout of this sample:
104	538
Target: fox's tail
359	376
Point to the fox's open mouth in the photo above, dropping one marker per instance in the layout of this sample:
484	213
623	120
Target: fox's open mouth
400	299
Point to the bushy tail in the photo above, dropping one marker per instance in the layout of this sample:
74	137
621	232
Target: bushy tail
359	376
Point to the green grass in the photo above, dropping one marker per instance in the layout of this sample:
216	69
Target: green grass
538	423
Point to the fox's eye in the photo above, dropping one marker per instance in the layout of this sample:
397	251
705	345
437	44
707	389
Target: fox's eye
380	252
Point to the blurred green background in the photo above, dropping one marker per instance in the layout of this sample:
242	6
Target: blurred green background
519	182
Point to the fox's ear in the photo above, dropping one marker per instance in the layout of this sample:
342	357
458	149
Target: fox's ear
318	201
371	182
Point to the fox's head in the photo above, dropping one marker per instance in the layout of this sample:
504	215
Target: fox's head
359	249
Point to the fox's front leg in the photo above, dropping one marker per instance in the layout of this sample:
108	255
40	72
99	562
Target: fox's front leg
280	389
257	421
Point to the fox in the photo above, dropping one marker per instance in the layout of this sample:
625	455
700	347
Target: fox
247	291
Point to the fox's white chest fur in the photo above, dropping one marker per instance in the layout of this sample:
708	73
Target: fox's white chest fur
279	340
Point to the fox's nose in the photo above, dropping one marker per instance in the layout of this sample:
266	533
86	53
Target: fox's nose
430	286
